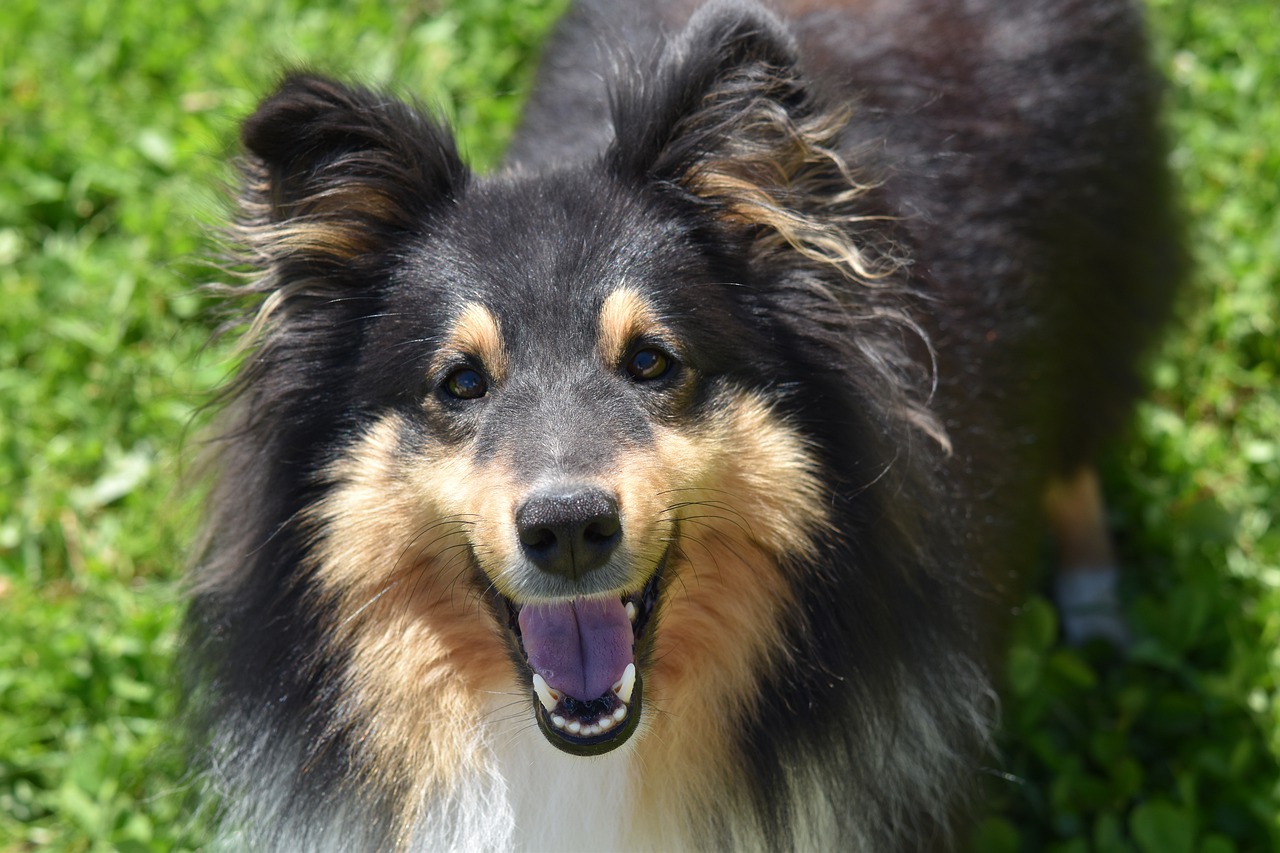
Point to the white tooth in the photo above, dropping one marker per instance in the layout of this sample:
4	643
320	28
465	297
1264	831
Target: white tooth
604	724
626	684
619	713
574	727
548	697
558	721
631	610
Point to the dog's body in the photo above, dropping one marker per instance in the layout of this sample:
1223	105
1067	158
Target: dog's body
658	491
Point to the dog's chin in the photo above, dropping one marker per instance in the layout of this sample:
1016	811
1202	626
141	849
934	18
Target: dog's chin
604	723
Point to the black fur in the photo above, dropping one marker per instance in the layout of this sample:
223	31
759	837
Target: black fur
1023	250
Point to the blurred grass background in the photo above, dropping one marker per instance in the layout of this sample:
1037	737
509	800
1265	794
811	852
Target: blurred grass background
116	124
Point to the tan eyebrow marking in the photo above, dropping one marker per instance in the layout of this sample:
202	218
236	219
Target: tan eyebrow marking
476	332
624	316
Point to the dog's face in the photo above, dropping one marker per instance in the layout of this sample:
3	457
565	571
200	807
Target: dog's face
561	456
559	393
577	423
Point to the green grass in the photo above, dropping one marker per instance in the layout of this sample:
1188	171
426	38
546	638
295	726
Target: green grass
116	121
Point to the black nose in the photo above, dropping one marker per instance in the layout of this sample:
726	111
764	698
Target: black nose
569	531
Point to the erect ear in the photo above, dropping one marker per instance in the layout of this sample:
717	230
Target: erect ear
334	174
730	121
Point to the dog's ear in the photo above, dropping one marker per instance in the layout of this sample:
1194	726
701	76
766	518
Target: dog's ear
730	122
335	174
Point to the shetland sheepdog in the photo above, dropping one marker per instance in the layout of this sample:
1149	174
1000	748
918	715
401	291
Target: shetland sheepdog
665	488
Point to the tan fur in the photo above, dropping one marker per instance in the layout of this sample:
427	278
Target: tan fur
624	317
477	333
335	238
334	224
771	169
423	649
783	180
1077	516
753	502
334	227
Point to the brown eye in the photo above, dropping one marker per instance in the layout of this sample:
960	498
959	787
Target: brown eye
465	383
649	364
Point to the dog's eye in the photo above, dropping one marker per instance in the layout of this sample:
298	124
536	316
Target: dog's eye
466	383
648	364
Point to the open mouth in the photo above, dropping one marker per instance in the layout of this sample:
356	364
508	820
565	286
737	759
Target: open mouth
582	656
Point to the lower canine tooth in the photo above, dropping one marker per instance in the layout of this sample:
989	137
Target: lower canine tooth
626	684
631	611
548	697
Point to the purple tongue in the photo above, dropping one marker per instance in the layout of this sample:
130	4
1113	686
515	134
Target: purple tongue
579	647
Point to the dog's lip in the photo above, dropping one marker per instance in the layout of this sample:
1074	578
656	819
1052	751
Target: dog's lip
602	724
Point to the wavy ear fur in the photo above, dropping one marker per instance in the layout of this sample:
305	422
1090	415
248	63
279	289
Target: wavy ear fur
731	122
335	174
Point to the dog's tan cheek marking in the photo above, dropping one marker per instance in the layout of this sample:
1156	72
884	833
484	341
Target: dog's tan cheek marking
477	332
728	594
392	560
624	316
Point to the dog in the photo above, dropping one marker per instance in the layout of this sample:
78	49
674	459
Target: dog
666	488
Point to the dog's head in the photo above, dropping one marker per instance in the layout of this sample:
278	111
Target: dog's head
593	399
